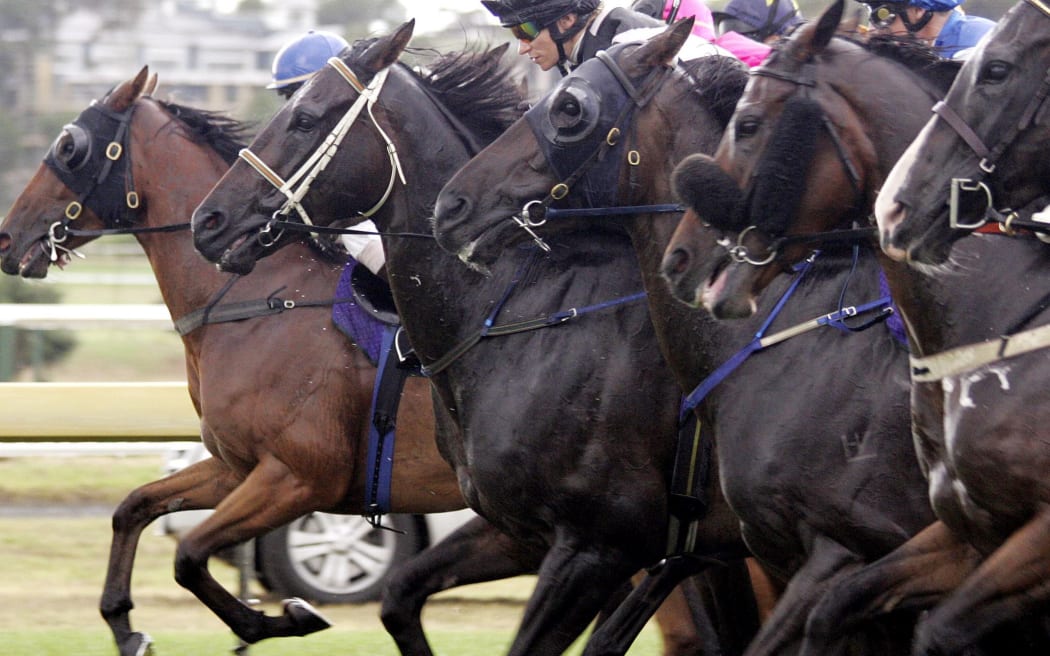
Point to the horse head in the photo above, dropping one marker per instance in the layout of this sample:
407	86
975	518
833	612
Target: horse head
343	103
806	151
604	137
981	152
85	180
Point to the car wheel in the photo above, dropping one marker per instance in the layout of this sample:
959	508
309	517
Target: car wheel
333	559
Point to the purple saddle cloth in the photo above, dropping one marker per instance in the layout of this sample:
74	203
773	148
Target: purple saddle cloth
354	321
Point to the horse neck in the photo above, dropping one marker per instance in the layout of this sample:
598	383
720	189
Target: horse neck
964	302
188	282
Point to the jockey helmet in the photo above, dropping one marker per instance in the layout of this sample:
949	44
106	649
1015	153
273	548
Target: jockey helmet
298	60
758	19
539	13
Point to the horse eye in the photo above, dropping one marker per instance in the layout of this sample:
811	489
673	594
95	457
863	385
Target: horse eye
995	71
72	147
747	127
303	122
567	114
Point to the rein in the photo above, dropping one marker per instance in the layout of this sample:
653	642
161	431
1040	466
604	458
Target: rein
883	306
318	161
489	329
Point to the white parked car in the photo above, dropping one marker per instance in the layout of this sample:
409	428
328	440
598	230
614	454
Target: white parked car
323	557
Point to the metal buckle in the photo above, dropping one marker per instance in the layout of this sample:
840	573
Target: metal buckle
959	185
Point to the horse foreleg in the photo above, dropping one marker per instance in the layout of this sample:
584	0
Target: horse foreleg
201	485
1010	585
573	584
827	560
268	498
621	628
474	553
913	576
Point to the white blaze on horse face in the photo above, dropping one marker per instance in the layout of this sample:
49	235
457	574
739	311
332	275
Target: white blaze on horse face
888	212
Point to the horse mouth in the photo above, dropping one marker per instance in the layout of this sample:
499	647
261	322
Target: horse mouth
728	292
240	257
37	260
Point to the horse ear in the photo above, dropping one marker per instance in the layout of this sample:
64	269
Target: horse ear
387	50
662	49
813	38
151	85
126	92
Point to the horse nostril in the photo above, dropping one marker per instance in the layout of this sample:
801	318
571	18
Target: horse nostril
5	242
675	263
212	221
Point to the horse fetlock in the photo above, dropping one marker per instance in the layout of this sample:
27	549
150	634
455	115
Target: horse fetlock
304	616
137	644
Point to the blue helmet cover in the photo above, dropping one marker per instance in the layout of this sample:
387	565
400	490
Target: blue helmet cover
298	60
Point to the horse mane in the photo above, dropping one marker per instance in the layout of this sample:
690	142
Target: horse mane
916	56
477	88
226	135
718	83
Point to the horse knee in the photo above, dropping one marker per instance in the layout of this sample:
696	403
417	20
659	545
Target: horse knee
132	512
189	565
400	607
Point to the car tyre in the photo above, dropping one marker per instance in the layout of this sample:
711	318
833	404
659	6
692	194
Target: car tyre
332	559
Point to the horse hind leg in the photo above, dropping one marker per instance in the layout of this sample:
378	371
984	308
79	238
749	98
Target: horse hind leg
474	553
201	485
1000	605
269	497
912	577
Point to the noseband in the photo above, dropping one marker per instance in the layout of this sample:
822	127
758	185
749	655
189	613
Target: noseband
989	157
296	187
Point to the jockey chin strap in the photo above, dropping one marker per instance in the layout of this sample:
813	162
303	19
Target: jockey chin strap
296	187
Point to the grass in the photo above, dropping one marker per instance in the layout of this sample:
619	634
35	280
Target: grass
52	571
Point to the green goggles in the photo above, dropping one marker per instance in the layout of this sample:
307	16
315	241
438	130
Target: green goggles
526	31
882	16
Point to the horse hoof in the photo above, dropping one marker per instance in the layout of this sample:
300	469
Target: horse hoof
137	644
305	616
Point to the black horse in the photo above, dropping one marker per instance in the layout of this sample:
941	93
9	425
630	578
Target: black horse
978	435
563	435
812	434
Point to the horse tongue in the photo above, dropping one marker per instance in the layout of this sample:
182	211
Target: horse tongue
728	295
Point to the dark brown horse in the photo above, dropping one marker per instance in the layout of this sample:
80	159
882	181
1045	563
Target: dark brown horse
817	463
289	431
565	432
978	430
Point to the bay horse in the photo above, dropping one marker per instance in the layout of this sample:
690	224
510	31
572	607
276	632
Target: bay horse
818	466
566	433
288	431
978	434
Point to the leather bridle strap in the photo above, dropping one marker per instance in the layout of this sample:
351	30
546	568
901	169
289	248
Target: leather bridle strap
296	187
965	132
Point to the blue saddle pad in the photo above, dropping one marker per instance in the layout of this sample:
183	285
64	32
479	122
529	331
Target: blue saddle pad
354	321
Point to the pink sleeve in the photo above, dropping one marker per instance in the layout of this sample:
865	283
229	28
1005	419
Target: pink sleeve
746	50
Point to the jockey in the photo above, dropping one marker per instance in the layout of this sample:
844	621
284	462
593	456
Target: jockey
747	50
564	33
295	63
298	60
940	23
761	20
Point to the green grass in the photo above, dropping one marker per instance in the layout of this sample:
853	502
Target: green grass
52	571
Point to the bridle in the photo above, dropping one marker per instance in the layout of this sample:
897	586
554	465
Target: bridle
805	81
989	157
298	184
631	95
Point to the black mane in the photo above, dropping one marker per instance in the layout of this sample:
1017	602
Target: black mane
478	89
226	135
915	56
718	82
